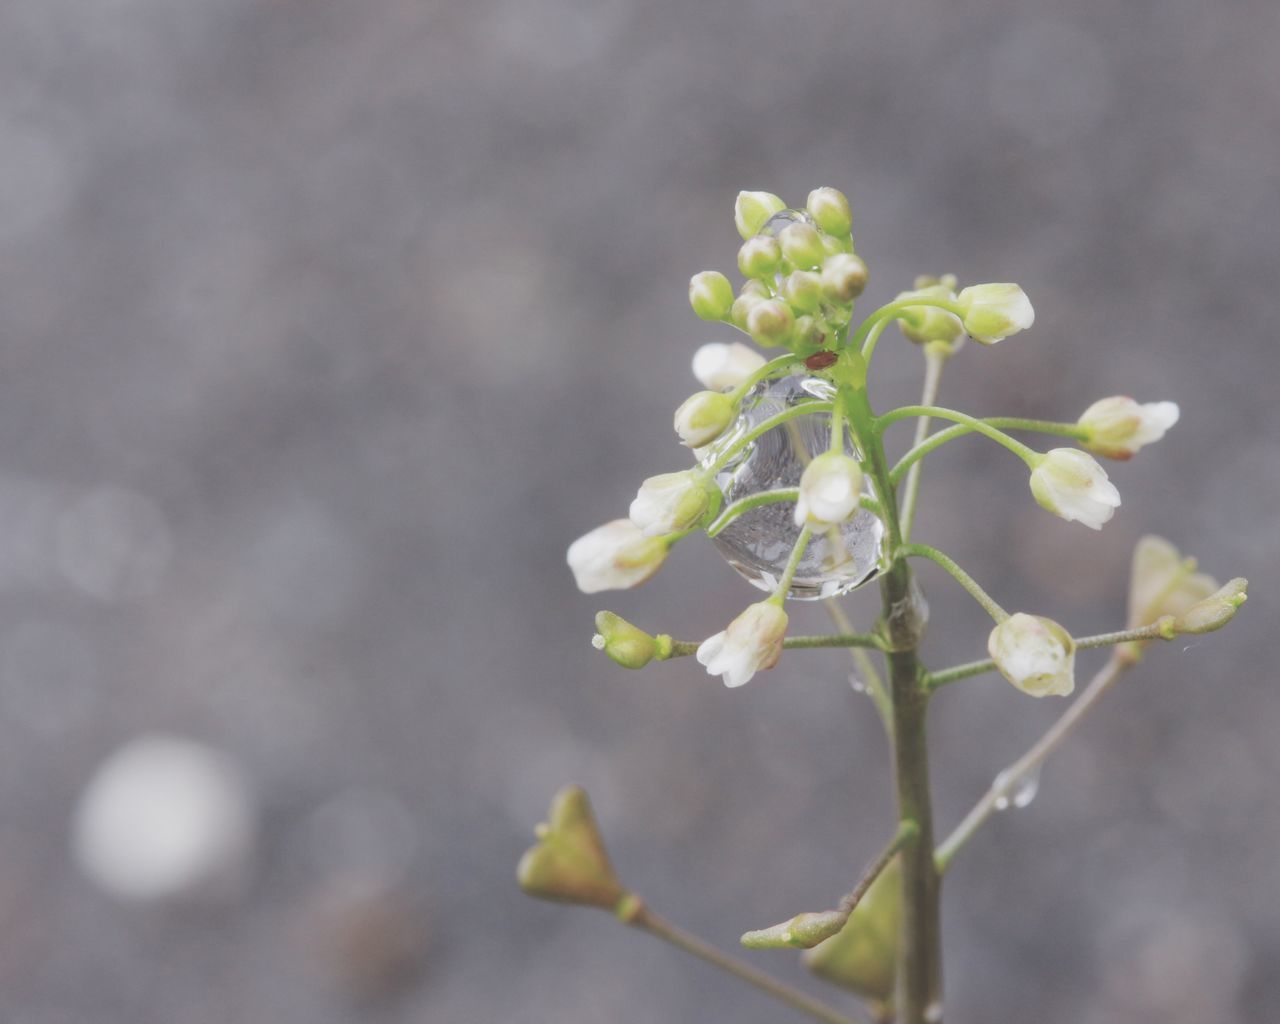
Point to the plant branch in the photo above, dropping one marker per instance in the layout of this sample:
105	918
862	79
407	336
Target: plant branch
961	577
1161	629
1026	454
646	920
684	648
923	446
934	361
1030	761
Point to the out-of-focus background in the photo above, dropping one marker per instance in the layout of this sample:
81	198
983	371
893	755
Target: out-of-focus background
327	326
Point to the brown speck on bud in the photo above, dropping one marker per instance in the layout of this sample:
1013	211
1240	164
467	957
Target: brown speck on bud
821	360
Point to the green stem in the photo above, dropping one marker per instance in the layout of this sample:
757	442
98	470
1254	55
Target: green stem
1161	629
1030	761
789	573
919	975
1028	455
746	504
856	641
906	832
934	361
961	577
777	420
882	316
646	920
923	446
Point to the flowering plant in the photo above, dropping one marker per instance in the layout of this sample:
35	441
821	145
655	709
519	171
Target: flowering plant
792	482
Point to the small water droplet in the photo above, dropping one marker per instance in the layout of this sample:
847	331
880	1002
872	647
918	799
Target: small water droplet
774	225
933	1013
758	543
1014	789
858	683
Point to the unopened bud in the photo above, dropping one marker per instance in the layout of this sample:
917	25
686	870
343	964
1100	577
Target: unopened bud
802	245
1035	654
830	211
1216	610
1118	427
804	931
992	312
710	295
752	209
803	289
703	417
923	324
628	645
844	276
759	257
769	322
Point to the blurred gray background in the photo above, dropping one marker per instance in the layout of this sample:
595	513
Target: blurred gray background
327	326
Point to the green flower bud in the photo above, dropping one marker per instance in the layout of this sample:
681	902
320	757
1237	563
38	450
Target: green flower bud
759	257
804	931
810	332
752	209
802	245
770	322
703	417
710	295
1216	610
923	324
569	863
803	290
862	956
742	307
830	211
628	645
844	276
835	245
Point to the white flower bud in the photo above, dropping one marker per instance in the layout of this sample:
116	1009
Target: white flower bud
669	503
844	276
1119	426
752	209
720	366
992	312
830	488
1035	654
829	209
710	295
703	417
1071	484
752	642
802	245
770	322
615	556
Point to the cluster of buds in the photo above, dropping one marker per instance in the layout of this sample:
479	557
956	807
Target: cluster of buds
802	277
802	274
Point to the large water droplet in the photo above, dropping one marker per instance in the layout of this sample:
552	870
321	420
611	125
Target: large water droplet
933	1013
759	542
1016	789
